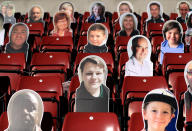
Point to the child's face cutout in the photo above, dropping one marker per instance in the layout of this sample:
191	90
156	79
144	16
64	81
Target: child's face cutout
155	11
158	115
97	10
123	9
173	36
96	37
128	22
93	75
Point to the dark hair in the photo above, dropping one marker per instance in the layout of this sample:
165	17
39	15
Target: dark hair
189	24
61	15
171	25
127	5
61	5
155	4
100	5
1	18
135	44
184	3
97	26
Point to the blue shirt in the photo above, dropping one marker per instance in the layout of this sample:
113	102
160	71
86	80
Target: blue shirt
166	49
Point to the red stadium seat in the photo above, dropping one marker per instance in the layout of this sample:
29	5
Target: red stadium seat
4	121
90	121
85	16
175	62
12	65
136	122
184	26
50	89
121	66
173	16
156	43
35	28
55	43
81	43
146	84
121	43
114	17
154	29
51	63
116	29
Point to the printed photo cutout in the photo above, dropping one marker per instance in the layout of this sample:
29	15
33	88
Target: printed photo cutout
36	14
188	93
68	8
172	33
124	7
96	44
18	36
139	52
97	13
25	111
188	32
128	23
183	7
155	14
164	103
2	31
93	94
8	11
61	25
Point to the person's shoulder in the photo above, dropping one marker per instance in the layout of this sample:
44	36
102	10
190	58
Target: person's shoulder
164	43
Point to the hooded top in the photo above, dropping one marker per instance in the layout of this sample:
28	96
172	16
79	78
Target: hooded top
89	48
25	111
85	102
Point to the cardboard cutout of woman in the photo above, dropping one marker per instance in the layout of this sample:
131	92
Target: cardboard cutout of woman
25	111
127	7
158	110
93	94
61	25
97	39
97	12
128	23
139	52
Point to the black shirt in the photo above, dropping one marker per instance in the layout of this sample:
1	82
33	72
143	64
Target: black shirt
123	33
85	102
89	48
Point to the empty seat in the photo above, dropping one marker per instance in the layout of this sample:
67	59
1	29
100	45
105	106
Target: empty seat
4	121
136	122
81	43
121	44
90	121
175	62
55	43
35	28
173	16
12	65
156	43
154	29
50	63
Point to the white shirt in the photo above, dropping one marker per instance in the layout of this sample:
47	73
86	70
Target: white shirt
2	35
134	68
